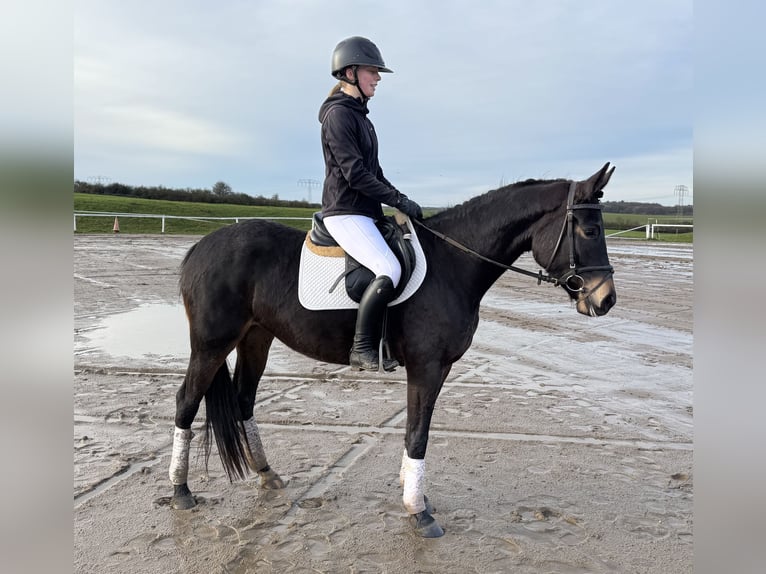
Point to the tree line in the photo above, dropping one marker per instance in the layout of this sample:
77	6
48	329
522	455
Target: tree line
635	207
221	192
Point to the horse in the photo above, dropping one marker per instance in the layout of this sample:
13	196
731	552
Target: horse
239	290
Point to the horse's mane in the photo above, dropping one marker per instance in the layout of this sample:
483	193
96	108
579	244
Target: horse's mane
505	194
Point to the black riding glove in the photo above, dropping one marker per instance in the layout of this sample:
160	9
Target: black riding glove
409	207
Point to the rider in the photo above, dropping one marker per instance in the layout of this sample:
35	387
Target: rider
354	188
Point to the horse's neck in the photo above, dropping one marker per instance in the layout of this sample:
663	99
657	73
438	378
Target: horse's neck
498	226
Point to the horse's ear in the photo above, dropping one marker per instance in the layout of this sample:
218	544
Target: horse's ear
597	182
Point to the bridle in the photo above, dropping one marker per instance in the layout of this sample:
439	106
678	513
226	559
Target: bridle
571	280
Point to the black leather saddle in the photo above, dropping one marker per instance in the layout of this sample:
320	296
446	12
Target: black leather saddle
357	277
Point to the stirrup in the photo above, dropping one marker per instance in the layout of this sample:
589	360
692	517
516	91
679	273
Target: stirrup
389	365
389	362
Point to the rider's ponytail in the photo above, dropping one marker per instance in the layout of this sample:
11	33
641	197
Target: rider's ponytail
335	90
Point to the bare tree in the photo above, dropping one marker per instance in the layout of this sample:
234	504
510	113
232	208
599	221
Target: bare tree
222	189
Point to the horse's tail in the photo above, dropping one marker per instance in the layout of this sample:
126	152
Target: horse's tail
223	419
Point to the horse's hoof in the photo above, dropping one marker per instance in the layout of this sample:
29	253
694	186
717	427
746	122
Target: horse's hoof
270	480
425	525
182	502
182	498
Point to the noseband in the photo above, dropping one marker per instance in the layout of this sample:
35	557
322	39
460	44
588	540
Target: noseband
571	280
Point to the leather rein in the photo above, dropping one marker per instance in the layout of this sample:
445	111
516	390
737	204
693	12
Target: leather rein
571	280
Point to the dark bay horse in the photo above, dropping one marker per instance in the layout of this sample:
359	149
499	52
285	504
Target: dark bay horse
240	289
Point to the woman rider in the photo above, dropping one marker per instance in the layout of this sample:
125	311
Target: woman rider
355	187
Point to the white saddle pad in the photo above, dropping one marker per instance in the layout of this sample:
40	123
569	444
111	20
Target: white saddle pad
318	273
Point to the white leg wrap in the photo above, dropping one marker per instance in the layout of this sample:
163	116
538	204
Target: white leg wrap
257	459
179	461
412	476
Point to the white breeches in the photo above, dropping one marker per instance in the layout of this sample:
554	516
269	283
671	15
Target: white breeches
412	476
360	238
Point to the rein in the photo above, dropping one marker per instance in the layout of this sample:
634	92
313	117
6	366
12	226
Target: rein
572	279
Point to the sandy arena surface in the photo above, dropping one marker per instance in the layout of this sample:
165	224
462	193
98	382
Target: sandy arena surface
560	443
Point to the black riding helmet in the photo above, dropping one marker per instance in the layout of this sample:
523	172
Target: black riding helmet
356	51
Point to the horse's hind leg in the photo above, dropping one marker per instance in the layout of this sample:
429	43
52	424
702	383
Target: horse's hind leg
252	354
199	375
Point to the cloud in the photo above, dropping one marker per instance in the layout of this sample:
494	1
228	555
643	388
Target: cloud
652	177
481	91
163	130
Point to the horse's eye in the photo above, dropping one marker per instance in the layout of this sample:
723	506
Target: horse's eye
590	231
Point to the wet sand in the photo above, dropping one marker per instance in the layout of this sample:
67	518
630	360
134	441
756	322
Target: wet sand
560	443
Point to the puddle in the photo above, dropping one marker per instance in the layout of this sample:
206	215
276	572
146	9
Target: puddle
149	331
155	329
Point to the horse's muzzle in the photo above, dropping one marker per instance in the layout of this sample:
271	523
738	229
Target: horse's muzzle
599	301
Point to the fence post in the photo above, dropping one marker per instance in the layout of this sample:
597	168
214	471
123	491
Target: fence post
75	221
163	224
648	225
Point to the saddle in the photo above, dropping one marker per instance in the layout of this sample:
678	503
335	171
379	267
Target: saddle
356	276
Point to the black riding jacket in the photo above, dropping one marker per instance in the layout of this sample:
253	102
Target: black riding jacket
354	182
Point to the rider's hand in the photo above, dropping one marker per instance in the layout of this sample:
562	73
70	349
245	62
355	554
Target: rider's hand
409	207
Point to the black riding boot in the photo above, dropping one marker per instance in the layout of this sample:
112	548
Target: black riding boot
369	322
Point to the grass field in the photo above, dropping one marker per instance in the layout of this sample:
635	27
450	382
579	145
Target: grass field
189	218
614	222
189	213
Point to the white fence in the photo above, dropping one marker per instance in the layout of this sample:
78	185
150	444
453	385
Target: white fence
616	233
652	229
117	216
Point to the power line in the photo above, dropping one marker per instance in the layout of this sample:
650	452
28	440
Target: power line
310	183
681	191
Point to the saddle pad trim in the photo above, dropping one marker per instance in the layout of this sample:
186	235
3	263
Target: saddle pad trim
324	250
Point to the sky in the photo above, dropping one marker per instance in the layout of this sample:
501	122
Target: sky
188	93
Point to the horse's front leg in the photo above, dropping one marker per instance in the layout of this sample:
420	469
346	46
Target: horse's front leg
423	389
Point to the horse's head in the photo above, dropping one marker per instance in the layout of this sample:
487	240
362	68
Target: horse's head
573	248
